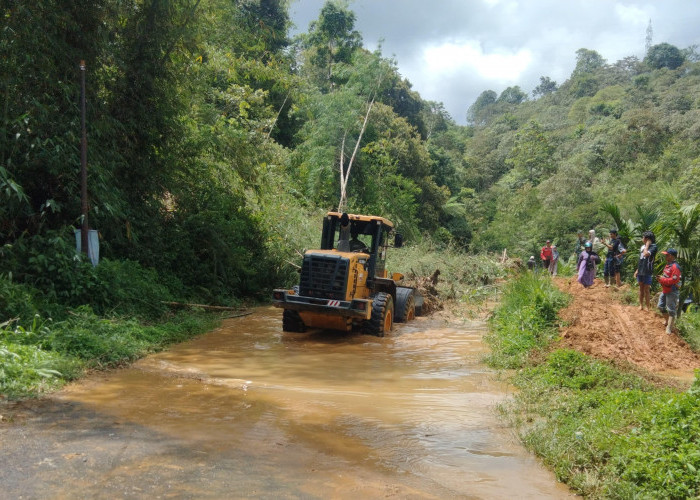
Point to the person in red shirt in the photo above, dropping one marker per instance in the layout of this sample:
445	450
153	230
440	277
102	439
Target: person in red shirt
546	254
670	288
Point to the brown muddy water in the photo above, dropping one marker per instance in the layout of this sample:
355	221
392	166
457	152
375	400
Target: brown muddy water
248	411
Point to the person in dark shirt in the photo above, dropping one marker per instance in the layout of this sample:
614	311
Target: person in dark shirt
613	261
531	263
645	269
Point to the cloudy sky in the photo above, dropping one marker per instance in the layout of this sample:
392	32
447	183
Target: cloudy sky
452	50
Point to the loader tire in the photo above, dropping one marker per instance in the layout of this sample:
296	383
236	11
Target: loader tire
405	305
382	317
292	322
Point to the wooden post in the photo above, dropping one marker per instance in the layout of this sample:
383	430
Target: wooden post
85	227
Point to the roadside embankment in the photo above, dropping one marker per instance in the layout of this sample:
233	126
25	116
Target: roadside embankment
604	430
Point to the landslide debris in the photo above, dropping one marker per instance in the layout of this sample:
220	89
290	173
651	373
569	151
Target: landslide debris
598	324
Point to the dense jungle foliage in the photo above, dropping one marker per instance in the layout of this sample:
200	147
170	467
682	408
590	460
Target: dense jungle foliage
216	140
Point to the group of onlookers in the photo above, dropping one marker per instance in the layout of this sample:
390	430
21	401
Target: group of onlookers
587	260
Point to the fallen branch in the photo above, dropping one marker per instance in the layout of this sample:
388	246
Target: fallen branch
203	306
247	313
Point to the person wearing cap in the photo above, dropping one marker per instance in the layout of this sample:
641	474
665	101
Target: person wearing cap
554	263
613	260
546	254
586	265
670	288
645	268
531	263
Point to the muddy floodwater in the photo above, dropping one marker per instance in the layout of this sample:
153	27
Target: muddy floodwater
248	411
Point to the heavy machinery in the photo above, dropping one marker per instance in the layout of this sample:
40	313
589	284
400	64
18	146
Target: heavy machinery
345	283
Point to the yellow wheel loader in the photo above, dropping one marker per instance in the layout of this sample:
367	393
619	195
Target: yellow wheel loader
345	284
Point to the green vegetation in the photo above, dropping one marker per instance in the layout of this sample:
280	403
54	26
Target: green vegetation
213	136
216	141
462	277
40	352
605	432
689	328
48	353
524	320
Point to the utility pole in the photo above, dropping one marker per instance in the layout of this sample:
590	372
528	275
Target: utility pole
83	166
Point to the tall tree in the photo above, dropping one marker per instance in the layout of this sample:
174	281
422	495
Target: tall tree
664	55
531	157
588	61
41	46
333	39
546	86
512	95
481	111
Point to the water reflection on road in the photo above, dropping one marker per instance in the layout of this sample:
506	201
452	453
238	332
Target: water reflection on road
249	411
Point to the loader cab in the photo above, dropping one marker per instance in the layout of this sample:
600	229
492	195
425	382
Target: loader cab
359	234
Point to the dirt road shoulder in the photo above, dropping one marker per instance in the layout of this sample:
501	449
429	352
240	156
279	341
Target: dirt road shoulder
598	324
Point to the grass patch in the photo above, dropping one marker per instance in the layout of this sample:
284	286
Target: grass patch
689	327
27	370
605	432
46	354
524	320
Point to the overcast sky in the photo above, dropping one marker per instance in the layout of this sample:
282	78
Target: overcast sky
452	50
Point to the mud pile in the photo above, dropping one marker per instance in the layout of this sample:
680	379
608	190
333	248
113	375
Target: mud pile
426	287
598	324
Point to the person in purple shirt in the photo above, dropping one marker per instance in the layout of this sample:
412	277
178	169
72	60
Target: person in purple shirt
586	265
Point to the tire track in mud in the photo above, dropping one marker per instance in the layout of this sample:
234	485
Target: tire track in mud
599	325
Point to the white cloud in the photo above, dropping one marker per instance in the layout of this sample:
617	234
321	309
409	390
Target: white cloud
451	58
453	50
632	14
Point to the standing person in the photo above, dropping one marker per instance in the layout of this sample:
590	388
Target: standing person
586	265
531	263
671	277
546	254
613	260
645	269
554	264
596	244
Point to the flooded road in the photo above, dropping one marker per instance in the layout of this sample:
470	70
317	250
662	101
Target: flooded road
247	411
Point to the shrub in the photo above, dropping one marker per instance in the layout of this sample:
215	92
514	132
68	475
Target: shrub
16	301
126	288
28	370
524	320
689	327
50	264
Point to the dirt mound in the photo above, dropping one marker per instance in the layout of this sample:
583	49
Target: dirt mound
599	325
